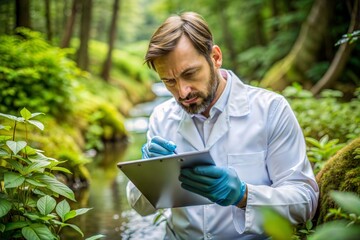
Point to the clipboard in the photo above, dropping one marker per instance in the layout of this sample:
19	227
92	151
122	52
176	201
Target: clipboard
157	178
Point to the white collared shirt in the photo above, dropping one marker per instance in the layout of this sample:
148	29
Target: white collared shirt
256	134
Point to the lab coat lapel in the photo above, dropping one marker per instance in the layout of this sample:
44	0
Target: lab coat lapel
220	128
190	133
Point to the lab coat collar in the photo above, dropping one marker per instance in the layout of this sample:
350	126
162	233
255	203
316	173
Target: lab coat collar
237	105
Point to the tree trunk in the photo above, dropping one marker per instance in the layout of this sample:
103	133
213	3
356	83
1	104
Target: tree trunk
304	53
83	54
227	35
48	20
341	57
22	13
65	42
105	74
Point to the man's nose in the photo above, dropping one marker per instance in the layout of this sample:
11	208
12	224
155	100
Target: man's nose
184	88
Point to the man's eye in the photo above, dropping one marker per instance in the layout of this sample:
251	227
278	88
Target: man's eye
169	82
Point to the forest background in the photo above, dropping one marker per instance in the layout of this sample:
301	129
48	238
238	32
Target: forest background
81	63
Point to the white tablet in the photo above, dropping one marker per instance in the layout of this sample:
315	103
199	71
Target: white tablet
157	178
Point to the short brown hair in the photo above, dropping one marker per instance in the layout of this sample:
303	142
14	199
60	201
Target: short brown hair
165	38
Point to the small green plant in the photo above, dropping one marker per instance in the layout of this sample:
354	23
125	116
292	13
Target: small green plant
320	151
30	206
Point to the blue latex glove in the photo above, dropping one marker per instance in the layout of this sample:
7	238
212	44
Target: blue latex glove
220	185
157	147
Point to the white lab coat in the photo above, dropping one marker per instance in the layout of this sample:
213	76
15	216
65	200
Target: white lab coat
258	135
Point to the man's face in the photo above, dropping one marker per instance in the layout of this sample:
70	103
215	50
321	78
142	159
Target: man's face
190	78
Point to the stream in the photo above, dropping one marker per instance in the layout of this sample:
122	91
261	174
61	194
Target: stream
111	215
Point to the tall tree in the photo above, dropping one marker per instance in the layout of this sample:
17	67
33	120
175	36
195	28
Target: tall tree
105	73
69	29
342	55
83	51
48	20
22	13
304	52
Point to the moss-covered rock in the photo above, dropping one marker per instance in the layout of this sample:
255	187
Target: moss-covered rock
341	173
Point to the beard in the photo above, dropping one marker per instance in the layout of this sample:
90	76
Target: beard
206	97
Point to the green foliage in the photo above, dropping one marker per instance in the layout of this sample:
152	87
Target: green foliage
346	226
346	219
29	189
35	74
322	150
326	115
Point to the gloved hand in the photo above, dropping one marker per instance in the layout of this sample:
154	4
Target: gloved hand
157	147
220	185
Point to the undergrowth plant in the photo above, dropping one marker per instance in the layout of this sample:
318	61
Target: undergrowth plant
33	203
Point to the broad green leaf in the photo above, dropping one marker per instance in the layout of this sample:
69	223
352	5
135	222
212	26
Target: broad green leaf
12	179
46	205
62	209
26	114
3	152
5	207
37	124
16	165
82	211
36	166
29	150
11	117
32	217
61	169
15	225
54	185
37	232
96	237
2	227
35	183
76	228
70	215
275	225
4	138
335	230
36	114
348	201
16	146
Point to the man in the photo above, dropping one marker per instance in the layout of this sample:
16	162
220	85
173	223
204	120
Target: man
252	134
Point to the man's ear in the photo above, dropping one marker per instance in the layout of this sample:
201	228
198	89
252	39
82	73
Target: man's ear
216	56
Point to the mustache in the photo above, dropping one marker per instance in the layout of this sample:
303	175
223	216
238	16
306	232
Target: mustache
191	95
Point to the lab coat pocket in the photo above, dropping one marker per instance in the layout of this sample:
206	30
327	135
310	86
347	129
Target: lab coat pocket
250	167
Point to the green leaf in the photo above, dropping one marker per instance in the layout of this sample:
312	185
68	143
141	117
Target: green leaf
62	209
36	114
11	117
335	230
29	150
69	215
96	237
15	225
26	114
61	169
76	228
37	124
2	227
46	205
54	185
275	225
348	201
12	179
16	165
37	232
16	147
35	166
82	211
5	207
35	183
